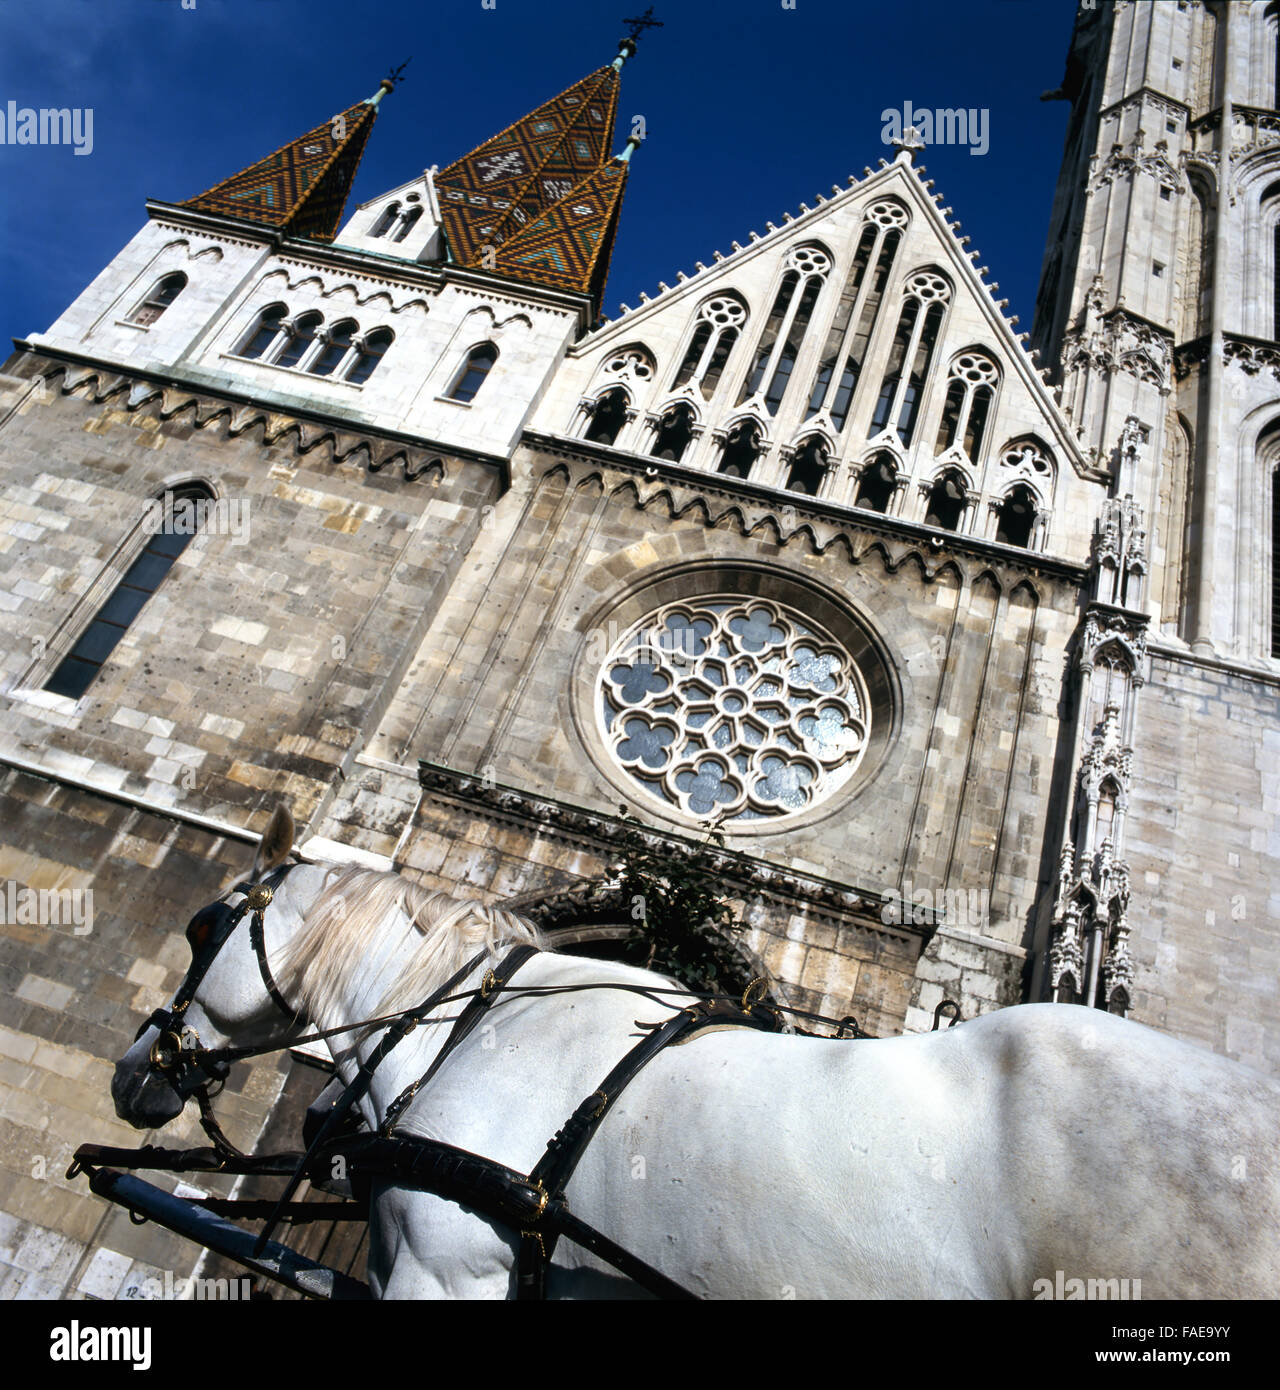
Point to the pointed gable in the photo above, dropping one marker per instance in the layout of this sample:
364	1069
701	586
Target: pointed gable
494	192
569	246
302	188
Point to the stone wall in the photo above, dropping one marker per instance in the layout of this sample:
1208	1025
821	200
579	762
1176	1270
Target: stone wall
71	1001
1202	847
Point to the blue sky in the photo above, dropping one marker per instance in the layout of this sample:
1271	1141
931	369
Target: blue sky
750	108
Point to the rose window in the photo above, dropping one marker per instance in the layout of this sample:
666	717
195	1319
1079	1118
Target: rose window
733	709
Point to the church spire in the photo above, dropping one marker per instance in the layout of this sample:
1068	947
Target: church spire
570	245
540	200
508	182
302	188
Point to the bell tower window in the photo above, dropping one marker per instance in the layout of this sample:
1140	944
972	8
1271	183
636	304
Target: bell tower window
269	327
159	299
475	369
336	347
407	223
369	352
302	335
386	221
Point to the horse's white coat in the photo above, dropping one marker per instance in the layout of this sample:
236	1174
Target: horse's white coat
964	1163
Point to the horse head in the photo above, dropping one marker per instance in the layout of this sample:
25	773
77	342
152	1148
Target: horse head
227	993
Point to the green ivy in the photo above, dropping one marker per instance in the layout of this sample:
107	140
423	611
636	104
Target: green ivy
681	924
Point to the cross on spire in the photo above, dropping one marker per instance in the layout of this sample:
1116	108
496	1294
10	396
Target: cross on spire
646	21
397	74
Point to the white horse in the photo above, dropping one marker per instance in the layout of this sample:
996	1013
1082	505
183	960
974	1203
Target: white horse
1039	1143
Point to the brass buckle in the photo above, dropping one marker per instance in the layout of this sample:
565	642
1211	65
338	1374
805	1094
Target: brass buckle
488	984
166	1051
753	993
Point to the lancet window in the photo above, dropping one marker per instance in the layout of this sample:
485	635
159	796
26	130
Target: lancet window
850	332
717	325
911	354
779	346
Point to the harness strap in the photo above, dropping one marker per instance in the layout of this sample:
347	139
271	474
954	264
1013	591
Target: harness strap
495	1191
360	1082
553	1170
477	1006
257	939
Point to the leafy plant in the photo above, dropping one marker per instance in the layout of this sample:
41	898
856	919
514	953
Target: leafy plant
681	924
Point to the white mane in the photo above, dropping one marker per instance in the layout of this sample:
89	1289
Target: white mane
334	942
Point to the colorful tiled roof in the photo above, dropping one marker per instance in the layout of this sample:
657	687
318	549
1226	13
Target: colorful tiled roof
302	188
569	246
509	182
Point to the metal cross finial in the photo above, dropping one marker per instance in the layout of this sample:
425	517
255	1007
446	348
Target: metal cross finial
397	74
638	26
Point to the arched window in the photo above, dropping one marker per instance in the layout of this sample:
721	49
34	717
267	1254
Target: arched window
387	220
160	298
850	330
946	504
337	343
608	417
1271	22
474	371
675	431
180	513
911	355
876	487
1275	562
302	334
268	326
369	351
793	306
970	392
716	329
741	449
1269	207
407	223
809	467
1017	515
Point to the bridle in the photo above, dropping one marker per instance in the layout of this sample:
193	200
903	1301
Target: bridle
174	1053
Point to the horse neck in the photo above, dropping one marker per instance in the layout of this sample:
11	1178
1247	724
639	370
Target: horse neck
391	954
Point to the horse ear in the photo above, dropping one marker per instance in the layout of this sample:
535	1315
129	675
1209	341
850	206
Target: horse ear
276	842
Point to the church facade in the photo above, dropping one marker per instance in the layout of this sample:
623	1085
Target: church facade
964	644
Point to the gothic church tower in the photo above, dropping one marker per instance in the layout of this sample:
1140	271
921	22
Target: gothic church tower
1157	311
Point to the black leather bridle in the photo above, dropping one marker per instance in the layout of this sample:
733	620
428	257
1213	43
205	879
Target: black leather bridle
176	1050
